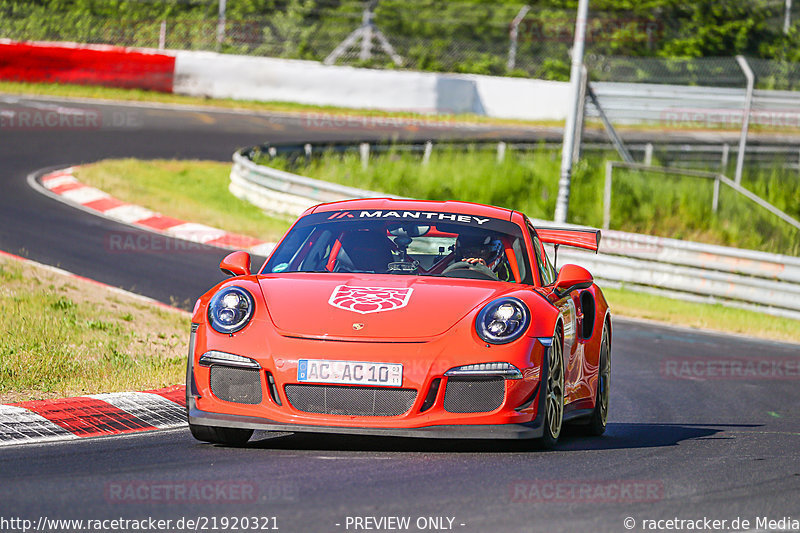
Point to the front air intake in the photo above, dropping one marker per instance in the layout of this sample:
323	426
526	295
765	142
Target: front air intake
238	385
474	395
350	401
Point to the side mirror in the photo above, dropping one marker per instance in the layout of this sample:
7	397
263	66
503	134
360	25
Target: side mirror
236	264
572	277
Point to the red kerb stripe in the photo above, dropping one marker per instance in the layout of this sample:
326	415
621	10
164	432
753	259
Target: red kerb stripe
87	417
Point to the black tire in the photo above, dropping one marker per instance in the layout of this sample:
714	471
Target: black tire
219	435
599	416
553	420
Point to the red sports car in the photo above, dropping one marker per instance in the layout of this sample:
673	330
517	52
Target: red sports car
405	318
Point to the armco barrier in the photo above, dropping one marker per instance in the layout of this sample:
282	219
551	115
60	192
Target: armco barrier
109	66
734	277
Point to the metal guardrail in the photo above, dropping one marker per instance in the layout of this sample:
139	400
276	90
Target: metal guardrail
733	277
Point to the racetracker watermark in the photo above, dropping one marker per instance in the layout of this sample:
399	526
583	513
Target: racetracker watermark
730	118
200	492
586	491
706	523
142	242
728	368
54	117
409	119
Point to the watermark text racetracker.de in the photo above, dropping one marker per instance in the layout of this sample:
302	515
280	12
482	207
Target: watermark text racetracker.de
705	523
586	491
144	242
730	118
730	368
54	117
244	522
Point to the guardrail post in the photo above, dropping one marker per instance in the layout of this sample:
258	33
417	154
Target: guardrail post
426	155
501	151
648	154
307	149
607	195
715	199
363	150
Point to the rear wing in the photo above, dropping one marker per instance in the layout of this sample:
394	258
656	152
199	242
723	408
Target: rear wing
579	238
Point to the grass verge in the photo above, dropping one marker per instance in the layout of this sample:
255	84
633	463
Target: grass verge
715	317
678	207
61	336
195	191
118	180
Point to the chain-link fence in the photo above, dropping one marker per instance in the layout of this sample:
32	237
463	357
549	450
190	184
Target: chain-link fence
501	38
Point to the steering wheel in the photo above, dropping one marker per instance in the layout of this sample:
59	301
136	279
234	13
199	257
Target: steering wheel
477	270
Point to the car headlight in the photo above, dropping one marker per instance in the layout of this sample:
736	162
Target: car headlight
502	321
230	309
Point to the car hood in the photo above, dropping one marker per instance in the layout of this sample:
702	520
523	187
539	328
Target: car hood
365	307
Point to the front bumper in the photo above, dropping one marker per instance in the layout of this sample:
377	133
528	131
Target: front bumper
517	417
529	430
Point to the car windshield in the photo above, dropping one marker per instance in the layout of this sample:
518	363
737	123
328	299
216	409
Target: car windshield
404	243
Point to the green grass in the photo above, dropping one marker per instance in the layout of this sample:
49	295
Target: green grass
649	203
716	317
64	337
195	191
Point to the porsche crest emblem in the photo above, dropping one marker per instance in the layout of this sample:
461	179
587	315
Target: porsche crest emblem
358	326
369	299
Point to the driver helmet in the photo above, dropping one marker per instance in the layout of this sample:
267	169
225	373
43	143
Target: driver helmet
485	246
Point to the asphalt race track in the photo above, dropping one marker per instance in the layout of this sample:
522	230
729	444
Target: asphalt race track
686	439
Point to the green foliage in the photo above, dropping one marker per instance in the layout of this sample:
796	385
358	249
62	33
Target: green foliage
642	202
469	36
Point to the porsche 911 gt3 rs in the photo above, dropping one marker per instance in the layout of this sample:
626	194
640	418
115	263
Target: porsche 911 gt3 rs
404	318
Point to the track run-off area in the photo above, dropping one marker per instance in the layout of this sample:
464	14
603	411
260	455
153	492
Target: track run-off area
702	426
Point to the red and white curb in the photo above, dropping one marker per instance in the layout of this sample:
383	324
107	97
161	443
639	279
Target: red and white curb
63	184
96	415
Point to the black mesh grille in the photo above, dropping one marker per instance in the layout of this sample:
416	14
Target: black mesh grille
240	385
471	395
352	401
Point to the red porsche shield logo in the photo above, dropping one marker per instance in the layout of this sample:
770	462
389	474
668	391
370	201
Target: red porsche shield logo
369	299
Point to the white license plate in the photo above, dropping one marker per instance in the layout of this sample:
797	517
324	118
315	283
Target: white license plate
350	372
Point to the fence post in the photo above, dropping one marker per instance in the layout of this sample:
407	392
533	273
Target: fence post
648	154
162	36
748	105
607	195
221	24
514	36
567	147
